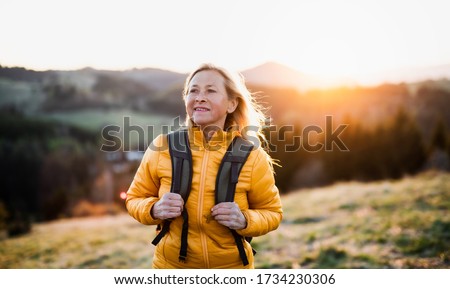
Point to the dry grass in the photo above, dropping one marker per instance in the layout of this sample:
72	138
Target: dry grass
388	224
93	242
399	224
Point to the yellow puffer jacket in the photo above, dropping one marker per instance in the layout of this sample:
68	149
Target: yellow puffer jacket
210	245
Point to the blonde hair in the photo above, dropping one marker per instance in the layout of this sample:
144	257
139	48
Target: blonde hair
248	117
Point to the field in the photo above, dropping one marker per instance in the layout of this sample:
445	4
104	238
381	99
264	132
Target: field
127	121
20	94
386	224
95	119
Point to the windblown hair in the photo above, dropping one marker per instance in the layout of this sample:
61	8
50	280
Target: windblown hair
248	117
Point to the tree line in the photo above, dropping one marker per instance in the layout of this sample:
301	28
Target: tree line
389	150
45	168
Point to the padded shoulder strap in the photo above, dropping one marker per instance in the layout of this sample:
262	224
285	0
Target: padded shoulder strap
230	168
181	158
180	154
227	179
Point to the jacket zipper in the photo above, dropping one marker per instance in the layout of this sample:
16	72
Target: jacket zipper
200	207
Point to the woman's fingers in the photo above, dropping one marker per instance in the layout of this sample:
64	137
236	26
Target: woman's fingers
229	215
169	206
227	208
172	200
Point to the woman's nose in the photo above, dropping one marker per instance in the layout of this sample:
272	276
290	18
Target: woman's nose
200	97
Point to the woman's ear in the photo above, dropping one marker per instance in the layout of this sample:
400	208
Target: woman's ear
232	105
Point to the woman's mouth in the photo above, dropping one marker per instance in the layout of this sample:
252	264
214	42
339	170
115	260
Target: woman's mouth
201	109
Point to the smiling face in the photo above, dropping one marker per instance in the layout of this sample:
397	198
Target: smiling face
207	101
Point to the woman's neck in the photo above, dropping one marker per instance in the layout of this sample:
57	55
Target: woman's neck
208	132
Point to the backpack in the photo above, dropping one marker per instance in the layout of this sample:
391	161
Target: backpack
226	181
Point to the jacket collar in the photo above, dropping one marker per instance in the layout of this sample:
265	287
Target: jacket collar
220	139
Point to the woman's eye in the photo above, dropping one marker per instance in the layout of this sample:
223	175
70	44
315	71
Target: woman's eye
211	91
193	90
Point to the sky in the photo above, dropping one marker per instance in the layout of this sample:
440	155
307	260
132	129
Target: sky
324	38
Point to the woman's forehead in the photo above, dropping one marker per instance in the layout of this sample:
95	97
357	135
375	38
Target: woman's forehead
207	78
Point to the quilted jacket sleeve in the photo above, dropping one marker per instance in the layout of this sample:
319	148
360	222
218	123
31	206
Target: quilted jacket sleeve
265	211
143	191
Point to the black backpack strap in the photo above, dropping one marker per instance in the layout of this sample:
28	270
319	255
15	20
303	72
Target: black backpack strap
227	179
181	156
181	159
230	168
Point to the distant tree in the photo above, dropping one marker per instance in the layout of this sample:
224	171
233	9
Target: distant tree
429	104
391	149
57	92
35	152
448	144
404	145
23	74
21	160
3	217
343	165
378	155
439	135
438	155
285	148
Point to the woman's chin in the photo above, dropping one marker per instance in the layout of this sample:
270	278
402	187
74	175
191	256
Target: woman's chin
200	122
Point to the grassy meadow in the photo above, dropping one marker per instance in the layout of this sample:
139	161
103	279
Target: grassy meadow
387	224
94	120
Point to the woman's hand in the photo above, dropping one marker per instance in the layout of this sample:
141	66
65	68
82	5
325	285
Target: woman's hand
168	207
229	215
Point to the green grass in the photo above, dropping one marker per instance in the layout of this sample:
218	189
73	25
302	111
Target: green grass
386	224
105	242
24	96
95	120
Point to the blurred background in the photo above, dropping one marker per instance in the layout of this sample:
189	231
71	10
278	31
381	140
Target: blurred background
380	71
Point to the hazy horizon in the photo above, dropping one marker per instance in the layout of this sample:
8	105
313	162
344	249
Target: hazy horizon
407	74
348	39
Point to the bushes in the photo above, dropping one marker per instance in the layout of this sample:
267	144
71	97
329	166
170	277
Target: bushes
3	216
45	167
393	149
85	208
